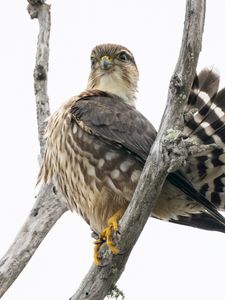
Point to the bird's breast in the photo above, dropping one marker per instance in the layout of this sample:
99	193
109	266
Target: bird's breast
96	178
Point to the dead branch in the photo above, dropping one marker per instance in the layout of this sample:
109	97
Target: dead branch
41	11
44	214
48	207
100	280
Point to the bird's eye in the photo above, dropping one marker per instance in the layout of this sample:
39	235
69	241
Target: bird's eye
93	61
123	56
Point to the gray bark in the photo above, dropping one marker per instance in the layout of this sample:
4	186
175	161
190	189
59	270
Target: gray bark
48	207
45	212
100	280
41	11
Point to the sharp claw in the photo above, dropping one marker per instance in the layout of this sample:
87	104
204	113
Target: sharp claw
107	236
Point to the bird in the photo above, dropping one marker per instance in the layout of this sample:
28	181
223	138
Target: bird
97	143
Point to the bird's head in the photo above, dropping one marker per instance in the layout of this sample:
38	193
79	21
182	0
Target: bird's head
113	70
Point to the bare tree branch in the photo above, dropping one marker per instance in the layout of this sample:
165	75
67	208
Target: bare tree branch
41	11
100	280
46	211
48	207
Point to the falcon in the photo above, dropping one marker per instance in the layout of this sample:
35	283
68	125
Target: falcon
97	144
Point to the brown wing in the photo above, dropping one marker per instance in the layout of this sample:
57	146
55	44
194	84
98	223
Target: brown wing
108	117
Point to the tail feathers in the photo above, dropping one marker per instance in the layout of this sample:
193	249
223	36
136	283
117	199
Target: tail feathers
178	180
207	174
207	108
208	81
204	88
202	221
211	128
206	124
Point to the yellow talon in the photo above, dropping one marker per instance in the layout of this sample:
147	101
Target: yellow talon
97	246
107	235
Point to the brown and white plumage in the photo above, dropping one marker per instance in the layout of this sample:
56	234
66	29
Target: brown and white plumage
207	126
97	144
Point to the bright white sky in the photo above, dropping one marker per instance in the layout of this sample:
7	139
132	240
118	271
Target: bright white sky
169	261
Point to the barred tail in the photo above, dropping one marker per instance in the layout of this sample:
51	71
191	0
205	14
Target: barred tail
205	122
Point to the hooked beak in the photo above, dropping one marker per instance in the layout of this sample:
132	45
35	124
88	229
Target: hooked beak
105	62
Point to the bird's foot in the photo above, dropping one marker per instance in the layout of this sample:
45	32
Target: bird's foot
107	236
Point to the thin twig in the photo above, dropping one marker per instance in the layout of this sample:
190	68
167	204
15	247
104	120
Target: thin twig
100	280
